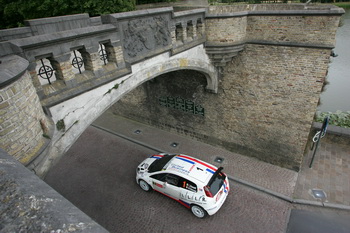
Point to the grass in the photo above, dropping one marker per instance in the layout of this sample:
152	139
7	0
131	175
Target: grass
342	4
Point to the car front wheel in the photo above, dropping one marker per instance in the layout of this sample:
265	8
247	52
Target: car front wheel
145	187
198	211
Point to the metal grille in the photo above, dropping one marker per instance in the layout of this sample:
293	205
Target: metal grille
103	54
77	62
45	71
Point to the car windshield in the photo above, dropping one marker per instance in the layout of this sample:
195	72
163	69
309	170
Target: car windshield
216	182
159	164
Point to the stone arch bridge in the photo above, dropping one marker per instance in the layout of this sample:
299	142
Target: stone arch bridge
263	66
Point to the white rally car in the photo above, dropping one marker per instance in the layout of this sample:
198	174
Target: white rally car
198	185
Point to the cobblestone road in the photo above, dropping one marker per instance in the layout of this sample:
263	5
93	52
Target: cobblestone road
98	175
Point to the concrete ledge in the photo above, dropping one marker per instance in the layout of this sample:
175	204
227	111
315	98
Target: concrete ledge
15	33
189	12
131	14
279	12
335	134
332	129
59	23
30	205
61	37
272	9
187	45
291	44
12	67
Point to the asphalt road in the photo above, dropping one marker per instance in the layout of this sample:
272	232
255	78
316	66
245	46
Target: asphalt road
98	175
325	221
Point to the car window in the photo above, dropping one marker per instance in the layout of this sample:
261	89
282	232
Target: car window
159	164
216	181
160	177
167	177
172	179
186	184
176	181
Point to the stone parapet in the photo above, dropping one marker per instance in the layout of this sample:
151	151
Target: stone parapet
297	25
55	24
30	205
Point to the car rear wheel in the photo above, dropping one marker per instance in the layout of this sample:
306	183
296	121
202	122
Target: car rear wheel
145	187
198	211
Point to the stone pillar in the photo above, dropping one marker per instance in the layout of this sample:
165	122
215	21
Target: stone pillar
118	51
200	28
63	67
194	26
190	32
115	54
180	33
184	32
91	58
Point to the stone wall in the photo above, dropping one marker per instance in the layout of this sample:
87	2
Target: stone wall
291	24
226	30
264	106
272	93
268	92
300	29
23	123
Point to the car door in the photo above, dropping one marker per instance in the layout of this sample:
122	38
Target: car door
167	184
158	182
189	192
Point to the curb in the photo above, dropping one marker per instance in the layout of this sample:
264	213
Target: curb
288	199
243	182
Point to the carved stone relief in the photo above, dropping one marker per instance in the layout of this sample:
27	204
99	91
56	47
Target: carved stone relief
141	35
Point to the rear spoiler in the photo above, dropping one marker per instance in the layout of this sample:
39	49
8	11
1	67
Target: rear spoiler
214	175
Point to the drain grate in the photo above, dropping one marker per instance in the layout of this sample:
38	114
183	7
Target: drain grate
137	131
319	194
218	159
174	144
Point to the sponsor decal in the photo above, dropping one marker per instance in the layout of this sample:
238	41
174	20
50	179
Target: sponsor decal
219	195
178	168
226	189
178	200
157	156
158	185
210	168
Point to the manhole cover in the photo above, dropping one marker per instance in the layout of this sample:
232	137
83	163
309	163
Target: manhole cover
218	159
319	194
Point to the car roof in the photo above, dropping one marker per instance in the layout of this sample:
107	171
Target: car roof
188	166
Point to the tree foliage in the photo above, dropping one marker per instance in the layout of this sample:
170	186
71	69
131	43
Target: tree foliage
14	12
138	2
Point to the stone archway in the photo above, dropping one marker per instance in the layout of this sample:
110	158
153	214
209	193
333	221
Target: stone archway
77	113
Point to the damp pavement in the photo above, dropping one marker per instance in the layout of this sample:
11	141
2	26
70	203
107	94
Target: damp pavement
326	183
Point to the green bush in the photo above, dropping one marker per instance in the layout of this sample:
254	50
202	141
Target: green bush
337	118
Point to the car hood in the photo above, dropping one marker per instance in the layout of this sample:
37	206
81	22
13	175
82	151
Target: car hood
145	164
